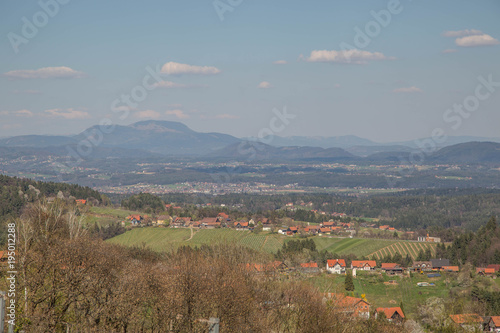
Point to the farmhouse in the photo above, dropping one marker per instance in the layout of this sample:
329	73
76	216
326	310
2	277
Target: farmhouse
469	321
485	271
421	266
309	267
450	268
392	314
392	268
351	306
241	225
438	264
493	324
365	265
495	267
336	266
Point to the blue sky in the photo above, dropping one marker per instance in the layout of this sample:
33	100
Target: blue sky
399	83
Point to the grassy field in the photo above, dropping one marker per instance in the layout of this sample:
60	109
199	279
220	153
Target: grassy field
380	294
166	239
106	215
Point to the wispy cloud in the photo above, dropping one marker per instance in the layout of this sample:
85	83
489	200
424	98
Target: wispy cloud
23	113
461	33
280	62
353	56
477	40
175	68
45	73
177	113
148	114
449	51
67	113
264	85
411	89
470	38
18	113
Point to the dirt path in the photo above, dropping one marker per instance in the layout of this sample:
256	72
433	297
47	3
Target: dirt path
192	234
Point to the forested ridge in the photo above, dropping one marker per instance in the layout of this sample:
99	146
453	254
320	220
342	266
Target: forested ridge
15	193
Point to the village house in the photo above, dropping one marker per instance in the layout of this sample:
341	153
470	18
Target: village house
429	239
336	266
392	314
495	267
309	268
421	266
135	219
351	306
492	324
365	265
241	225
163	219
392	268
81	201
451	269
438	264
312	229
469	322
325	230
485	271
181	222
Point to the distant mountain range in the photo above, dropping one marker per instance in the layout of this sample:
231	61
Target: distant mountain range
165	138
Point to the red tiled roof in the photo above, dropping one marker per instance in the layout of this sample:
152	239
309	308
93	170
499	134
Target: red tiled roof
389	312
485	270
451	268
496	320
326	229
389	265
363	263
467	318
333	262
495	267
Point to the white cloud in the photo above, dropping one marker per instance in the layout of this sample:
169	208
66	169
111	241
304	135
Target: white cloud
411	89
264	85
178	113
449	51
462	33
280	62
23	113
147	114
476	40
45	73
354	56
18	113
169	84
175	68
67	113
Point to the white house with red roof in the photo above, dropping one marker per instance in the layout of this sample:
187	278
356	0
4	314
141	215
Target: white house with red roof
336	266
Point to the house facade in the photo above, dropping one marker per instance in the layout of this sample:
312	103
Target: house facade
336	266
365	265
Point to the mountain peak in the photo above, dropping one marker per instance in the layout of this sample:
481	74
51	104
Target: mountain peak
161	126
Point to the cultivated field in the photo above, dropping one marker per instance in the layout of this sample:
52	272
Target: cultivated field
166	239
